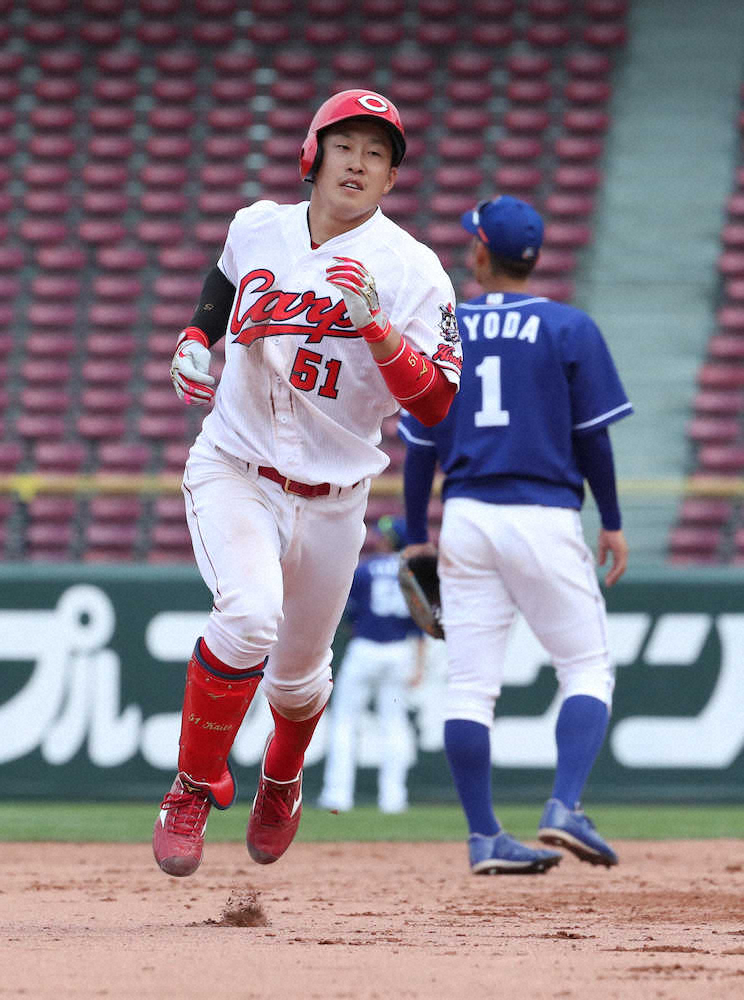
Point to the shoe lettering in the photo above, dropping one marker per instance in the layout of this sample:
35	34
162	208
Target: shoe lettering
215	696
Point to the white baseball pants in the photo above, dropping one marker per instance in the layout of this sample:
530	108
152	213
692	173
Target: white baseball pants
379	672
280	568
497	559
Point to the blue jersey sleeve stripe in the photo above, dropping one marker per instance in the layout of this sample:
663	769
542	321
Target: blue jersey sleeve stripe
502	305
412	439
604	417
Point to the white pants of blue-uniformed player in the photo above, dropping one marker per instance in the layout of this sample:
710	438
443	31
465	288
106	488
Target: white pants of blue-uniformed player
495	559
377	671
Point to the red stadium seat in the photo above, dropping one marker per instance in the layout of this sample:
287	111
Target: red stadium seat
123	457
709	511
269	33
100	32
352	61
517	179
382	33
713	430
518	147
182	258
588	121
238	61
458	178
63	457
95	399
44	399
605	36
171	118
529	64
45	32
47	345
569	206
589	63
164	175
692	542
121	258
116	88
567	235
548	34
469	91
530	121
46	202
464	148
581	91
46	174
578	148
721	460
577	178
528	90
125	61
101	426
474	120
605	9
719	402
492	35
549	10
49	507
11	455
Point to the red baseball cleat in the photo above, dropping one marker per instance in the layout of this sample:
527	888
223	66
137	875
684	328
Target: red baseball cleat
275	816
178	837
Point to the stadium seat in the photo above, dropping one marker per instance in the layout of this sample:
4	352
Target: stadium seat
59	457
694	544
548	34
713	430
704	511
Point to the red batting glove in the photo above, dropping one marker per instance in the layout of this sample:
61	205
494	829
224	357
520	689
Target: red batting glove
360	296
189	369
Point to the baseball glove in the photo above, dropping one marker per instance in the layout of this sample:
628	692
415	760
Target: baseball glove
419	581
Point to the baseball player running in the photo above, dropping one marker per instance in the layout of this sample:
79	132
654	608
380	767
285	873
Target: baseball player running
539	389
383	657
333	316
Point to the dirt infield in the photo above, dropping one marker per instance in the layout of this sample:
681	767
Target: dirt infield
371	922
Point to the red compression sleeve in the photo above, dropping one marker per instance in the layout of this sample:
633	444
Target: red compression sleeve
418	384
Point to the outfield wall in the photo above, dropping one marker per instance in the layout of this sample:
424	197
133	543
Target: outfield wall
92	671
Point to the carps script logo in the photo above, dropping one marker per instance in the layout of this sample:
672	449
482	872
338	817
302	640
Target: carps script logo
275	312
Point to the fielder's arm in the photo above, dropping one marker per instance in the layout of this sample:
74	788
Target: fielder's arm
596	463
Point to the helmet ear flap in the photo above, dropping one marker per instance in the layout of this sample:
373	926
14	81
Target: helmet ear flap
311	157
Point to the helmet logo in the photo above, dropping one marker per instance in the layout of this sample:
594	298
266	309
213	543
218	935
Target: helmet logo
371	102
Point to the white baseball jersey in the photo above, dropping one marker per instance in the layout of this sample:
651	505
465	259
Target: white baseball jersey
300	390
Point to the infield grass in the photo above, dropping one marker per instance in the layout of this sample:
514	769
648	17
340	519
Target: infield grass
132	822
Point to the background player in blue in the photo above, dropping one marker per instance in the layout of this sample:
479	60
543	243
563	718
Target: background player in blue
539	389
384	657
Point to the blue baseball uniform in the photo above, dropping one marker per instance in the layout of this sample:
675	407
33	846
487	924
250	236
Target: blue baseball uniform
378	665
539	389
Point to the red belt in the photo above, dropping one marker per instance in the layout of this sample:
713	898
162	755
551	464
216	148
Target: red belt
292	486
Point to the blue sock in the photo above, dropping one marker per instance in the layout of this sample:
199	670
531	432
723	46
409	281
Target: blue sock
468	748
579	734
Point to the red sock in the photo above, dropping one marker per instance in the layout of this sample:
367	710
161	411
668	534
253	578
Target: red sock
214	704
286	751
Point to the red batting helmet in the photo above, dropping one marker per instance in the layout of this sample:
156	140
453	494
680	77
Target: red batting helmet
350	104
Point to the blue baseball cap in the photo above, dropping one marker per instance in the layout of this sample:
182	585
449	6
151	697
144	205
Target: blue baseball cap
508	227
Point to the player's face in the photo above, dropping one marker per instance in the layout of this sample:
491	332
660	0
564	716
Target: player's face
355	171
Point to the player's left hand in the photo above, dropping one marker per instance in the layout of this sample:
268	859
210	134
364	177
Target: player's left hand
612	542
360	297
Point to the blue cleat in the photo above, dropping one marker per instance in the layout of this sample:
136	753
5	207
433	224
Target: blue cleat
503	855
574	830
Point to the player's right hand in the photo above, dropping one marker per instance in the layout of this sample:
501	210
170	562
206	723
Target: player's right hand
189	369
612	542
